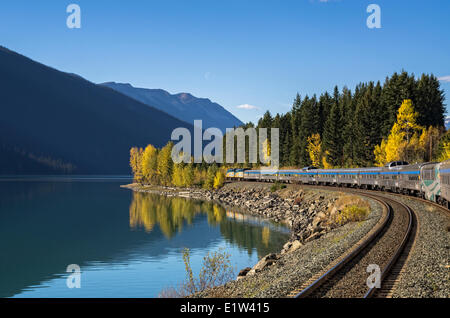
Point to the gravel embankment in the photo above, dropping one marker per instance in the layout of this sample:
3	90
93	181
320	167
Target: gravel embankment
353	282
290	270
427	271
315	241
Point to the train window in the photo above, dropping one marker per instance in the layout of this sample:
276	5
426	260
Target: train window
445	179
428	174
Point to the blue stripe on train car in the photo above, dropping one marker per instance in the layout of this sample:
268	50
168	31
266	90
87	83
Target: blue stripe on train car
409	172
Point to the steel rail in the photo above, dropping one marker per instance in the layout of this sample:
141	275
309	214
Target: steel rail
332	271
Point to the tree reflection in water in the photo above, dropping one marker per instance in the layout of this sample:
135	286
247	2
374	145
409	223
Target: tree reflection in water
172	214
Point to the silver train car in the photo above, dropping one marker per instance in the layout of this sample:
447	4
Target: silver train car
430	180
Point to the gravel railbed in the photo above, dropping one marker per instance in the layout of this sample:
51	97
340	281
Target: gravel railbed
295	268
427	271
352	280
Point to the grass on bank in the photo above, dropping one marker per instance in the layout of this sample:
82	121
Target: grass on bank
350	208
277	186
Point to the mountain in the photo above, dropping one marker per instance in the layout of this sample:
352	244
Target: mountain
56	122
447	122
183	106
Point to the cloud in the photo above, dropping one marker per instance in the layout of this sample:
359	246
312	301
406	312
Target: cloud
248	107
445	79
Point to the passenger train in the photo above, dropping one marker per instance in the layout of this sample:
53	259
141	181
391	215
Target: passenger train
430	180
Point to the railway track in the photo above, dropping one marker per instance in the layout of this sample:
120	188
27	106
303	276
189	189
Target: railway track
385	249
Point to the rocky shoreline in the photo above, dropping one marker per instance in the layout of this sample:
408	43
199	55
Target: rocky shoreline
304	212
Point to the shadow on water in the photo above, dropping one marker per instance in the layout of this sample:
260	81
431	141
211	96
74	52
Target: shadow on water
45	226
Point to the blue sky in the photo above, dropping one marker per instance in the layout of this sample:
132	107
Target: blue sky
235	52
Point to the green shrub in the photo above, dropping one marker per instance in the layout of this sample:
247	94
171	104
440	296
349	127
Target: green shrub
277	186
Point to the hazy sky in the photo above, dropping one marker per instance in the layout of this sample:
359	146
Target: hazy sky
253	54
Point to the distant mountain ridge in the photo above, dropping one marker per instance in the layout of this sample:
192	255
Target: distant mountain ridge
183	106
52	122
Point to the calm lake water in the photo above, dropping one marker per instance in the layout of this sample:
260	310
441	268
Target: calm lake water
127	244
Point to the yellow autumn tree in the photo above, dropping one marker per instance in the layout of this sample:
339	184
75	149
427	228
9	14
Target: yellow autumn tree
266	151
314	148
188	175
445	153
149	164
404	130
177	175
325	163
165	164
407	119
136	163
219	179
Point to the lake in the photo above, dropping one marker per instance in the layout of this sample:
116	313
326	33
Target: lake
127	244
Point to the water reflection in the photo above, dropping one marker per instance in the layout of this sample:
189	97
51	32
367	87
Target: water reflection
127	244
172	214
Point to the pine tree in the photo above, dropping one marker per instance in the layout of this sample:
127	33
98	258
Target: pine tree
295	117
347	124
332	137
429	102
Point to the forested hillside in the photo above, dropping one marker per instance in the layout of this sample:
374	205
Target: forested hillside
348	124
53	122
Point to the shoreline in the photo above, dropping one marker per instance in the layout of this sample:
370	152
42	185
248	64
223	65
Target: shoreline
293	206
306	212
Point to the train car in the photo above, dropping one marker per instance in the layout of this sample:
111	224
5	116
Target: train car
348	177
229	175
269	175
444	180
239	174
369	178
252	175
327	176
290	176
430	181
389	176
408	181
308	175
